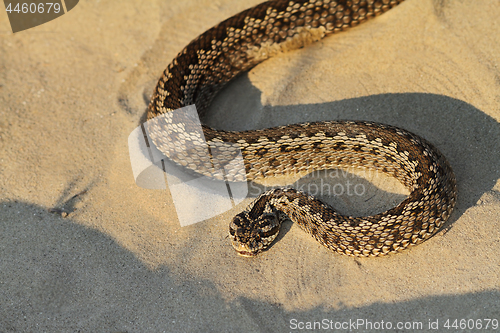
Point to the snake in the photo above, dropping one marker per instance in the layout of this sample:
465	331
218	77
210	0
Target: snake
235	46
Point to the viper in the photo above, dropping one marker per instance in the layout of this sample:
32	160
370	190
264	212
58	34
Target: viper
236	45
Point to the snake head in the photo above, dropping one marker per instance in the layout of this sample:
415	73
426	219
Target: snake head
250	236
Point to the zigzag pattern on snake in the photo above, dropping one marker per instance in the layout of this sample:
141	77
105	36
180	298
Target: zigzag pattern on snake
237	44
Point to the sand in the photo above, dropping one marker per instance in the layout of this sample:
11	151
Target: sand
83	248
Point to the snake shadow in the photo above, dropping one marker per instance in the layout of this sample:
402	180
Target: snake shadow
469	138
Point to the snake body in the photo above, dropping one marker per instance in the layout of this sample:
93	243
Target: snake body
237	44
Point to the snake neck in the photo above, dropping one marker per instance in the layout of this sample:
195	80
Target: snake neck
410	223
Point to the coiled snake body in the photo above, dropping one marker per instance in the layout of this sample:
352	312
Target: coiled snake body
246	39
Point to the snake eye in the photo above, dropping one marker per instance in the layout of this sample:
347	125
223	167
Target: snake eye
273	231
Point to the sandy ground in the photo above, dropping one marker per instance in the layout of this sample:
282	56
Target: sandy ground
73	89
